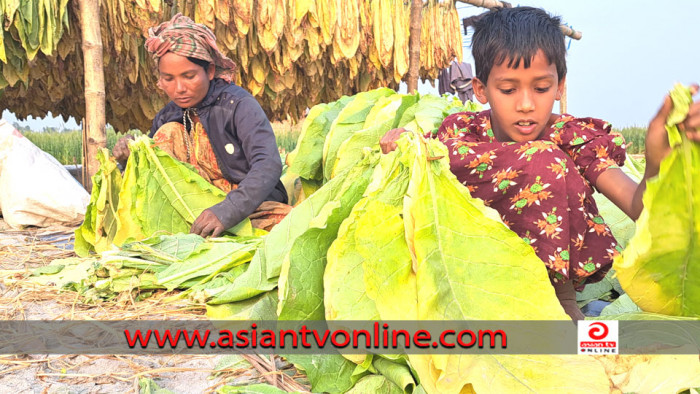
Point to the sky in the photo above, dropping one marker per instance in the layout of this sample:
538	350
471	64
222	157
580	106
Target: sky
631	54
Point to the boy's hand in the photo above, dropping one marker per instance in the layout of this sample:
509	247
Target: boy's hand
388	141
121	150
657	145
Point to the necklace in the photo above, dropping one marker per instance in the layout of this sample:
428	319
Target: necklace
185	117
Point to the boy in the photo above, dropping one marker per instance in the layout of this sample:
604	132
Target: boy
536	168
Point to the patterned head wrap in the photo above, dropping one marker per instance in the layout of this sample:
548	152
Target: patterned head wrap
183	37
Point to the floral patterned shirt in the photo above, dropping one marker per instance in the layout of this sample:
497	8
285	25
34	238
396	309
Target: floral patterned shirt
543	189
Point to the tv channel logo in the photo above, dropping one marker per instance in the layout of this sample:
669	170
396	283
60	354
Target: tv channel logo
598	337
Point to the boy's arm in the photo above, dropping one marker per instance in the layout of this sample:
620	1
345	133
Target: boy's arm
625	192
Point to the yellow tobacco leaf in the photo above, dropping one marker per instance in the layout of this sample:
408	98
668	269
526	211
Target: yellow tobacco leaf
382	15
243	15
652	373
402	16
347	37
223	11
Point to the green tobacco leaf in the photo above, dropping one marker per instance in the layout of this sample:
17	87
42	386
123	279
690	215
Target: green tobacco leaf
326	372
48	270
148	386
375	384
384	116
621	305
660	268
597	291
209	259
101	219
301	284
161	194
345	294
308	155
430	111
349	120
301	279
261	307
75	272
397	373
252	282
164	248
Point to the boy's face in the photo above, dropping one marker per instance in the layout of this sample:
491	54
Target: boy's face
521	99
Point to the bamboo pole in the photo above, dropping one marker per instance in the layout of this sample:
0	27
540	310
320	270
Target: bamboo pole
414	46
562	101
94	122
576	35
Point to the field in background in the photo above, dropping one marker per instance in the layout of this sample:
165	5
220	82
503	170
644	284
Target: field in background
635	137
66	146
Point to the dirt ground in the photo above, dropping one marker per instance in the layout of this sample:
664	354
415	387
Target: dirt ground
22	251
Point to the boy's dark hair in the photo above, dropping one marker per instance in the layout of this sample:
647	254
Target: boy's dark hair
203	63
516	34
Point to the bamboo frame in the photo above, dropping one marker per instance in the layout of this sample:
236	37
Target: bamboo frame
576	35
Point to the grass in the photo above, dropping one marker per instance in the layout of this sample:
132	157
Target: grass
634	136
287	136
66	146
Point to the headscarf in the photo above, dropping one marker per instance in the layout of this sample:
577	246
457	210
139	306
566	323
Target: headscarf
182	36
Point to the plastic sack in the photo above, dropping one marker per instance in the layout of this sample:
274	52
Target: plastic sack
35	189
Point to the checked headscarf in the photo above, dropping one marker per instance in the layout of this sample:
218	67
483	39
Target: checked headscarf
182	36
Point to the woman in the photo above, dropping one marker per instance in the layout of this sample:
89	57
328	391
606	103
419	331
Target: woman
214	125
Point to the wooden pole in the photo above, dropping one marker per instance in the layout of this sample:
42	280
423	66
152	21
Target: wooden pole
414	46
562	101
94	122
576	35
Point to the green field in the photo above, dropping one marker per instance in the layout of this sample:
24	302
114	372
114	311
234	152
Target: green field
66	146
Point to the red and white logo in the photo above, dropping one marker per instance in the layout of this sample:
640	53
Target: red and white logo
597	337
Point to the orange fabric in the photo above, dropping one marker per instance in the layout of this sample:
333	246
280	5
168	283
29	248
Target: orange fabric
172	138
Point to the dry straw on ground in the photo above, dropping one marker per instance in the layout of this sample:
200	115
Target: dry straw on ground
21	251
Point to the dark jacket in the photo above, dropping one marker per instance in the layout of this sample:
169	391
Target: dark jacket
231	116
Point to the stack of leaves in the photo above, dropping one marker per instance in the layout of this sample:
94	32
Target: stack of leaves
334	135
156	194
291	54
660	268
380	237
182	261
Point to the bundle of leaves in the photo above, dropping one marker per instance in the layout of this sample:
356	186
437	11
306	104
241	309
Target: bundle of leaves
157	193
380	237
180	261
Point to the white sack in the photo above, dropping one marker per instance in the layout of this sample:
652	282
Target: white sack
35	189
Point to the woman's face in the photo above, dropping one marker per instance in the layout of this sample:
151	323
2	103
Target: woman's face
186	83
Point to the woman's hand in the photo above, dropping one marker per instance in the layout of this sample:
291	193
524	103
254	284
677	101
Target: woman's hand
207	224
657	145
388	141
121	150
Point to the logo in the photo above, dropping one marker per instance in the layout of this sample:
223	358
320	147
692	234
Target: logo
598	337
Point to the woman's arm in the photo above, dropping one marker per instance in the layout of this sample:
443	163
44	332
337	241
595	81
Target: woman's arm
625	192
